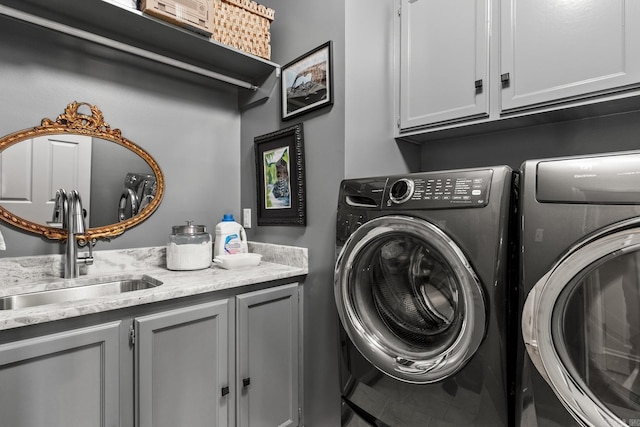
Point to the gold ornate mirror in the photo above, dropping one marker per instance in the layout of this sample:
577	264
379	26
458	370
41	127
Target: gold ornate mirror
120	184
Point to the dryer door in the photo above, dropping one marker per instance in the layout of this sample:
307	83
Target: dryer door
409	299
581	326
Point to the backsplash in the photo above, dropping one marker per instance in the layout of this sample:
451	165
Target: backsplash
281	254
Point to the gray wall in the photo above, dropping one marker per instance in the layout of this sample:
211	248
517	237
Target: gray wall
370	56
299	27
585	136
190	125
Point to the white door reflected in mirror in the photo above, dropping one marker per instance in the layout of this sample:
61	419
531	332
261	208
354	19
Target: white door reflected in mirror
32	171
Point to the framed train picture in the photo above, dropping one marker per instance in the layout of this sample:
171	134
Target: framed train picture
307	82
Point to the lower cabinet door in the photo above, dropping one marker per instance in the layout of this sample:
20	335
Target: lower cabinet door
182	367
267	357
62	380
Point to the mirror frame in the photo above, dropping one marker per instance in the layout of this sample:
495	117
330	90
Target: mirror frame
76	123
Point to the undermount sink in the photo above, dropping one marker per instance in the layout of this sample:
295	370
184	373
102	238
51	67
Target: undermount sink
92	289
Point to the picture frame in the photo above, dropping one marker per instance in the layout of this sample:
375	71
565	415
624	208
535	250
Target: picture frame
307	82
280	177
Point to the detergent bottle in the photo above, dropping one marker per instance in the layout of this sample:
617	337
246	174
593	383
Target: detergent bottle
230	237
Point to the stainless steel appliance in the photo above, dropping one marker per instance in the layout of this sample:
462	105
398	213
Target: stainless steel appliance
422	295
580	292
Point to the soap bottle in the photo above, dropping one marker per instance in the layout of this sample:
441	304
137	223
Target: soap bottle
230	237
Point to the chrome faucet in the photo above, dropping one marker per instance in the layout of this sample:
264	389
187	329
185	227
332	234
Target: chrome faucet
68	208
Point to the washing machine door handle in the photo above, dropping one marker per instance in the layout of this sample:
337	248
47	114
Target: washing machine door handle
529	332
412	367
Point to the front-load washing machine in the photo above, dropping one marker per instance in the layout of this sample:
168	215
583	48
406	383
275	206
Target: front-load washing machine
421	289
579	358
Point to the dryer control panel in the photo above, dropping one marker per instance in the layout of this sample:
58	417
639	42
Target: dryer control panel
439	190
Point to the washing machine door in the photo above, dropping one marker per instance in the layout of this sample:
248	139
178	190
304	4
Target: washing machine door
581	327
408	299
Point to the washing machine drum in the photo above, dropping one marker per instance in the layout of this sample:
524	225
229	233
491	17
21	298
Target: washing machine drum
409	299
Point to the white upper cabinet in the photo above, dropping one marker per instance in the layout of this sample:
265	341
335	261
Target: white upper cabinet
472	66
444	61
561	50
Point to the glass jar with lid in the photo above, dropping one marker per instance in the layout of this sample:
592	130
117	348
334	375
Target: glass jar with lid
189	247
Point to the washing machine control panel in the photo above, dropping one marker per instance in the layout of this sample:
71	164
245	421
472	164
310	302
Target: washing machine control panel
439	190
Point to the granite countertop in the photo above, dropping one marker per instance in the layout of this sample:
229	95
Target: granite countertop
31	274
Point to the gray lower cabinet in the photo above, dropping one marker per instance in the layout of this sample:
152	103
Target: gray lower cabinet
268	357
63	379
183	367
224	363
227	362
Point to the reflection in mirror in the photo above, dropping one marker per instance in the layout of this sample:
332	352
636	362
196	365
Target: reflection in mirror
120	184
139	190
111	166
100	175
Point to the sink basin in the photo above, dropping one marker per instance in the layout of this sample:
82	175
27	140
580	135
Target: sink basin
92	289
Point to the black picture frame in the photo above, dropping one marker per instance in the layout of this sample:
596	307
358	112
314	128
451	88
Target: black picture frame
280	177
307	82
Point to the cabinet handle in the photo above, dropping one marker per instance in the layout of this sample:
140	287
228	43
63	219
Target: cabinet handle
225	391
478	84
504	78
246	382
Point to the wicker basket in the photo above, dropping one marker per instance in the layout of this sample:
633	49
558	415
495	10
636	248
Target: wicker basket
243	24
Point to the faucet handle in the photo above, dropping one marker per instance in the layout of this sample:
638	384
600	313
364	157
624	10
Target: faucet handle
86	259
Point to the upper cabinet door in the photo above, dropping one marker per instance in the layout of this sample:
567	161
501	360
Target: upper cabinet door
562	50
444	61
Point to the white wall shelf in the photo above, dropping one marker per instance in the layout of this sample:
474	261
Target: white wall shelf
131	31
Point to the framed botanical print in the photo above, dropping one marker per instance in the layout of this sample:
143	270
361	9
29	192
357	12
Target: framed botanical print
280	177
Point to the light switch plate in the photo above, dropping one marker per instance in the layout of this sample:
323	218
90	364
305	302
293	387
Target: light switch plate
246	218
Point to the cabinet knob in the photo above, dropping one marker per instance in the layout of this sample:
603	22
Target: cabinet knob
225	391
478	84
246	382
504	78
